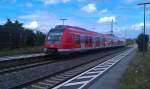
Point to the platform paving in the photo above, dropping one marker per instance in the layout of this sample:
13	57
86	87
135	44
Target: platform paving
111	79
5	58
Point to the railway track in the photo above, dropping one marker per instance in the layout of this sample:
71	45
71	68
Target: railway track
14	66
55	78
17	65
24	66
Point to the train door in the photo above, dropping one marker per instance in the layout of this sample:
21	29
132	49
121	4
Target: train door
82	41
103	42
94	42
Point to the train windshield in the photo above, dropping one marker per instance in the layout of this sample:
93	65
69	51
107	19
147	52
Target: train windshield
54	36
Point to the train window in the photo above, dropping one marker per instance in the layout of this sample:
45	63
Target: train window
77	39
57	30
54	38
102	39
72	36
109	39
97	40
90	39
86	39
82	39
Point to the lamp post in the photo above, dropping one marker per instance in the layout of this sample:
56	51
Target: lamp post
144	4
112	26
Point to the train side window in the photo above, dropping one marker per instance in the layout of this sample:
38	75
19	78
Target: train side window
109	39
77	39
82	39
102	39
86	40
90	39
97	40
71	35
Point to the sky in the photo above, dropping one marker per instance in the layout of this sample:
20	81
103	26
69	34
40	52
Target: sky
94	15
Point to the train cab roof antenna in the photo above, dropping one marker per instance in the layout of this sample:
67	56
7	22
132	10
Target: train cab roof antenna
63	21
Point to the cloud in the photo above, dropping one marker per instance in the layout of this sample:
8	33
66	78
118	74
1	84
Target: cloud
2	22
44	21
48	2
30	16
32	25
89	8
106	19
103	11
137	26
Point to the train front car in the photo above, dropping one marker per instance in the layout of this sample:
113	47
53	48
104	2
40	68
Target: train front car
53	40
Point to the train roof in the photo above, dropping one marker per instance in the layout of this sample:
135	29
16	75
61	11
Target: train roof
67	26
61	28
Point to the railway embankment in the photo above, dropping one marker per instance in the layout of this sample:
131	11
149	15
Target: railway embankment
137	75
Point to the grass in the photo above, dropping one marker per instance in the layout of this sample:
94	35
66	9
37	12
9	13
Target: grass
137	75
27	50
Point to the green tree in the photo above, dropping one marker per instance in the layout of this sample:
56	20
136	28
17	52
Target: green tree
18	25
40	37
1	26
13	26
29	37
142	42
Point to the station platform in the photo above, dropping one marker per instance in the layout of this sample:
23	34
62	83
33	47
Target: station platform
106	75
23	56
112	78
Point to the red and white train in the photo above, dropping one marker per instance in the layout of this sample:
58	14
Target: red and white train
65	38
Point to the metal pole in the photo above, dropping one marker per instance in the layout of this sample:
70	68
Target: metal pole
125	36
144	32
63	21
112	23
112	26
144	4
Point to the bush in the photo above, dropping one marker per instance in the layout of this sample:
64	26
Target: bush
142	42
